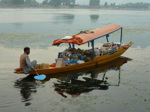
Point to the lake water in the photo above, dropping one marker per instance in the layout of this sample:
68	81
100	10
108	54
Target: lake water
121	85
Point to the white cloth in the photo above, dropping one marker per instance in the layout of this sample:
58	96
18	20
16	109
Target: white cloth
67	37
80	61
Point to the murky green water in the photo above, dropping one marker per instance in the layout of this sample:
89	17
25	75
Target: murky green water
122	85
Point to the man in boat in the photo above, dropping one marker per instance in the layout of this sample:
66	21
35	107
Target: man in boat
25	64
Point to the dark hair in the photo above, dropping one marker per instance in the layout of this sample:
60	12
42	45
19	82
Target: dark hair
26	48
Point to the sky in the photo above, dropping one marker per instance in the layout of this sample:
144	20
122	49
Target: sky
85	2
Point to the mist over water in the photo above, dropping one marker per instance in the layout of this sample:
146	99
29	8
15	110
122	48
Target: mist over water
127	80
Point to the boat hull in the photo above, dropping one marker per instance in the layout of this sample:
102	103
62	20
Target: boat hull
96	61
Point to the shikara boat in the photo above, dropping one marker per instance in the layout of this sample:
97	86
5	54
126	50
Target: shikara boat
88	38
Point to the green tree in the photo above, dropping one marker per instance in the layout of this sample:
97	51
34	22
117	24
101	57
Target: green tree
55	3
45	2
136	5
17	2
94	3
112	4
31	2
69	3
66	2
28	1
106	4
72	3
7	1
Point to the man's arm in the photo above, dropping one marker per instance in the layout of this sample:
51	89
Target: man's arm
29	63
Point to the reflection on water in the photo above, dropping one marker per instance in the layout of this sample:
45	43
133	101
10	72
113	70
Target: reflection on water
27	87
18	25
89	80
64	18
73	83
75	87
68	16
94	17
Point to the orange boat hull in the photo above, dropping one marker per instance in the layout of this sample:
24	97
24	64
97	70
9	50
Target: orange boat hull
96	61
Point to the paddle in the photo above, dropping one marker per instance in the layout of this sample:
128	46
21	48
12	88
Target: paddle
39	77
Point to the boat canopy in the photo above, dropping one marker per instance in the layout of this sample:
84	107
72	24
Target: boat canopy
85	37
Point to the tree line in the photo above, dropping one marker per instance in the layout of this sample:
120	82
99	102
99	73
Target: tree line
138	5
58	3
18	2
53	3
72	3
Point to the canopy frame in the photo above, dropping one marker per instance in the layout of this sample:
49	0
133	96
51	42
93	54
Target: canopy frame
107	35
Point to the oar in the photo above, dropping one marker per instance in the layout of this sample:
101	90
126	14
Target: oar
39	77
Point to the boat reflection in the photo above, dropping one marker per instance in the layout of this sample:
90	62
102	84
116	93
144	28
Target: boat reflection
75	87
89	80
70	82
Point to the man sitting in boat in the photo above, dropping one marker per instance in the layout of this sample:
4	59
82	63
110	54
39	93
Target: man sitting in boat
25	64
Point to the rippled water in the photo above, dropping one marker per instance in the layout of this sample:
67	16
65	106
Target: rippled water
122	85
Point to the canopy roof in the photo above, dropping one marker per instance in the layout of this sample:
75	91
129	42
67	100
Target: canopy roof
83	38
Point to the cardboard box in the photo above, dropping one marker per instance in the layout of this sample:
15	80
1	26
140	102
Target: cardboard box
60	64
42	66
45	66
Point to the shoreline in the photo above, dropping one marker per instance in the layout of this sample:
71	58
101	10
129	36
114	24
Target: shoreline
77	7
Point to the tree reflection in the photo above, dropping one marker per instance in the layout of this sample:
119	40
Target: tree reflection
94	17
68	16
64	18
18	25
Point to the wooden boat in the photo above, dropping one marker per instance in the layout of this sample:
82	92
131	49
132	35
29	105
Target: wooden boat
83	38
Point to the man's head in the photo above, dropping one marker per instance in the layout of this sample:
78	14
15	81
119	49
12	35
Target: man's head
27	50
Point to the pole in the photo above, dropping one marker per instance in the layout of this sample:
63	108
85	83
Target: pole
121	36
93	53
73	45
107	38
69	45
